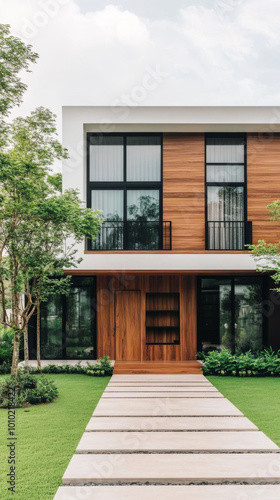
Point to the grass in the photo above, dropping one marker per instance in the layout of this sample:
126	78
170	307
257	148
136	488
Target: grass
257	398
47	436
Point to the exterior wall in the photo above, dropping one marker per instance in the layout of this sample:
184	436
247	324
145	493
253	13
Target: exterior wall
263	184
184	190
184	285
176	271
183	177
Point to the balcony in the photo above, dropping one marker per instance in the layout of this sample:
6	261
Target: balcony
133	235
233	235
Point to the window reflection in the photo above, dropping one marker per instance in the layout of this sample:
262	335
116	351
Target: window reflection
67	323
230	314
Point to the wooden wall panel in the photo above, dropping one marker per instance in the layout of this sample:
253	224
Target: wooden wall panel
263	184
105	316
128	321
183	190
106	296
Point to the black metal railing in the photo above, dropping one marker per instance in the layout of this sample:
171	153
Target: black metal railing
133	235
228	235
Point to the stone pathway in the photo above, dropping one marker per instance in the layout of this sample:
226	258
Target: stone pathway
170	436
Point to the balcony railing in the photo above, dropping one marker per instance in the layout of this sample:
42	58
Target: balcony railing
232	235
133	235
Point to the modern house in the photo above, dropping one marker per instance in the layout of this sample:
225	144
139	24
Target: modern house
182	191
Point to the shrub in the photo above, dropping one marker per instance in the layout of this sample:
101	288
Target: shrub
5	368
102	368
27	390
265	364
6	345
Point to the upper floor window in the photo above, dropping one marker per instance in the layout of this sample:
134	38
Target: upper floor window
106	159
124	181
124	158
226	225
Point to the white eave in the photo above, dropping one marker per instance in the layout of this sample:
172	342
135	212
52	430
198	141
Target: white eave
168	262
261	119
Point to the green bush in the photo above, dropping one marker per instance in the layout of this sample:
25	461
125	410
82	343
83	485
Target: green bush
5	368
6	345
265	364
102	368
26	390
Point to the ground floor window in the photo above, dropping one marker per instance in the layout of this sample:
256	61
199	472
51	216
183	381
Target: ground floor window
68	323
230	313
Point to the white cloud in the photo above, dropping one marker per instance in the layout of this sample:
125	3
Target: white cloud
216	52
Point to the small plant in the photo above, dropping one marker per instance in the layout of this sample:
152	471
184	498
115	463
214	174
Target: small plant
101	368
26	390
264	364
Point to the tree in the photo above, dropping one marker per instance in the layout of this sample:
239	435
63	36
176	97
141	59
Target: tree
267	255
36	220
15	56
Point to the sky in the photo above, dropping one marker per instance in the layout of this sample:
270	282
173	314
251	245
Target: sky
160	52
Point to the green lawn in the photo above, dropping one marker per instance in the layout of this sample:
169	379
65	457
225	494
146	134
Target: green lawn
48	436
257	398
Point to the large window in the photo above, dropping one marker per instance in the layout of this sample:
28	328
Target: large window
124	181
230	313
68	323
226	192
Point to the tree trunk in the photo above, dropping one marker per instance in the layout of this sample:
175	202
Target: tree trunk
15	360
38	338
26	350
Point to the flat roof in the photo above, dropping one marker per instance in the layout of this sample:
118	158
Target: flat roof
262	119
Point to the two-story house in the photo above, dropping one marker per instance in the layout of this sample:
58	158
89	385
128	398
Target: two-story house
182	191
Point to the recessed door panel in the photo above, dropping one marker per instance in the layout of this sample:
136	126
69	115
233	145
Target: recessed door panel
128	325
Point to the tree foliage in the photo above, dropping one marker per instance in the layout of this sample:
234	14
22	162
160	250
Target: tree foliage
267	255
39	225
15	56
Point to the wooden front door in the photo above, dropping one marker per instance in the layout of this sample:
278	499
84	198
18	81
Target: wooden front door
128	325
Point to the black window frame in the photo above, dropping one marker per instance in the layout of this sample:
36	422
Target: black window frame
124	185
32	328
231	278
233	184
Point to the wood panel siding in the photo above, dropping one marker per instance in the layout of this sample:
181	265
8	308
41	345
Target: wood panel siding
184	189
188	308
128	325
174	291
263	184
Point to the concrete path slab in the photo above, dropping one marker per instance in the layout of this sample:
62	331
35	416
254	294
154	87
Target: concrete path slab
93	442
166	406
153	388
160	384
226	492
166	394
171	424
158	378
173	468
180	442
